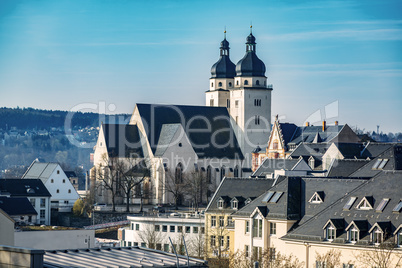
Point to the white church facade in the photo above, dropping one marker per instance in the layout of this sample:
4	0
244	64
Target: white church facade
178	140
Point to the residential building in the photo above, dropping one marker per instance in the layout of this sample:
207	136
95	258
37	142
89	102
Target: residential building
19	209
156	231
55	180
34	190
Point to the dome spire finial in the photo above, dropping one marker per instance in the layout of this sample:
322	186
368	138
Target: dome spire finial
224	33
251	28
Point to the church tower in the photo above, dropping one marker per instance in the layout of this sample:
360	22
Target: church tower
250	100
222	78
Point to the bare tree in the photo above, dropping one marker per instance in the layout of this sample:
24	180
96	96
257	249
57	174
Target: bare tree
133	175
266	259
331	259
150	235
217	241
381	256
175	184
197	246
196	185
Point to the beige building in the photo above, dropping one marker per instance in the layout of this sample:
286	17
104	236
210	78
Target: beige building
6	230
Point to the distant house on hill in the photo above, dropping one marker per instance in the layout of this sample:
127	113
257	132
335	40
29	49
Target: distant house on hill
55	180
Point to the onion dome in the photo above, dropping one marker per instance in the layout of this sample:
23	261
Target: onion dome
250	64
224	67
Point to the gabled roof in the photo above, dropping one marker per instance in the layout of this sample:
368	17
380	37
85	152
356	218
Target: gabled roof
394	162
384	226
345	167
70	174
338	224
310	149
165	140
373	149
38	170
122	140
204	126
268	166
23	187
235	187
15	206
361	225
384	185
308	134
350	150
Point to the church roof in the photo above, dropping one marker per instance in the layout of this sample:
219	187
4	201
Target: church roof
208	128
122	140
250	64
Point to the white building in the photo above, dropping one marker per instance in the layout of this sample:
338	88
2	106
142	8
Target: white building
155	231
55	180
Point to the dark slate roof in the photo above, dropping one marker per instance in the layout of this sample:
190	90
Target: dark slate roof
307	134
310	149
384	185
345	167
224	67
216	119
15	206
394	156
373	149
350	150
294	204
270	165
70	174
122	140
23	187
250	64
238	187
287	130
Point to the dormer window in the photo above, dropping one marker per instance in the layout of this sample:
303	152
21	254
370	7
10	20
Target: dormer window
220	204
353	235
355	230
311	162
398	236
235	204
332	227
380	164
365	203
330	232
317	198
376	236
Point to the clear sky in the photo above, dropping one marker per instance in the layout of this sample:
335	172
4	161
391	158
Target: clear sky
57	54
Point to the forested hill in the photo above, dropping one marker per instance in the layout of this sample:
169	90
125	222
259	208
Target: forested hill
30	118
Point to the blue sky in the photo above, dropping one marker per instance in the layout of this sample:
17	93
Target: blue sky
64	53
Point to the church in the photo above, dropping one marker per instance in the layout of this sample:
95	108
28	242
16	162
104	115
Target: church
177	140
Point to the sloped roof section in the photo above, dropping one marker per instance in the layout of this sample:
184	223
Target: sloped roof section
270	165
15	206
23	187
345	167
122	140
208	128
39	170
166	137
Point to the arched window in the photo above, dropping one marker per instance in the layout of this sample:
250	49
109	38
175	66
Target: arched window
227	103
179	173
209	174
246	82
237	82
220	84
257	82
230	84
222	172
212	84
236	171
275	145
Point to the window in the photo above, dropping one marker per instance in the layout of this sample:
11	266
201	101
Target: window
137	226
212	84
57	191
188	229
58	171
257	228
257	120
272	228
222	172
247	226
315	199
230	221
364	204
330	232
213	242
227	241
275	145
157	228
237	82
220	204
32	200
213	221
353	235
42	213
42	202
172	228
221	221
382	205
64	180
211	102
246	250
236	104
246	82
195	229
219	84
179	173
51	181
399	238
158	246
236	171
376	236
257	102
349	204
271	254
348	265
66	202
164	228
209	174
398	207
227	103
230	84
135	244
311	162
380	164
166	247
69	191
179	229
202	230
320	264
143	244
129	244
276	197
222	241
268	196
257	82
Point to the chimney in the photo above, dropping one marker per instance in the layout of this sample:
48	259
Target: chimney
336	123
307	124
324	125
